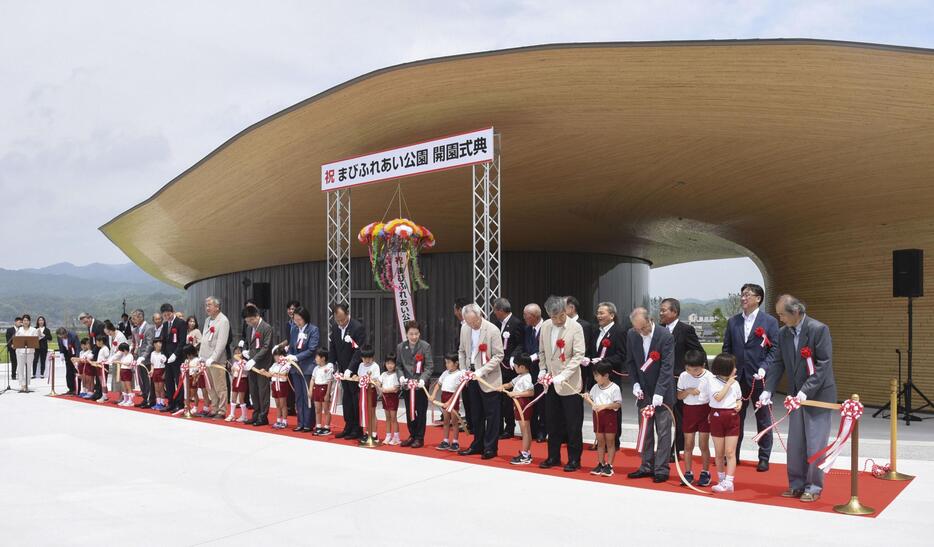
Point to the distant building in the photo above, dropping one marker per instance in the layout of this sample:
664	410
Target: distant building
703	325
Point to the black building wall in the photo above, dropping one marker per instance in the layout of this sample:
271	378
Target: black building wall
527	277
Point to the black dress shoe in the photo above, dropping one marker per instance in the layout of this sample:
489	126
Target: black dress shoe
341	435
297	428
571	467
660	478
258	423
306	430
639	474
763	466
506	435
145	405
418	443
488	456
469	452
549	463
167	409
408	442
540	439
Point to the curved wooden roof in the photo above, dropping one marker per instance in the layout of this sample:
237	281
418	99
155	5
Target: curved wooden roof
671	151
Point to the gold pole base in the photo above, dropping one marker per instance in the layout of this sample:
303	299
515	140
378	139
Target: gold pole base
187	414
369	442
53	394
854	507
894	475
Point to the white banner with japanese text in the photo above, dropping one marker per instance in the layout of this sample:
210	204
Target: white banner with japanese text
415	159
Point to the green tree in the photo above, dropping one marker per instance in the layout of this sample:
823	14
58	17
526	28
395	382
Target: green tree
719	323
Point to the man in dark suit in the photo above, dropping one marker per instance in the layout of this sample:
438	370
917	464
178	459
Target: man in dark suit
752	347
510	330
653	384
532	315
259	353
813	379
70	347
10	333
669	315
609	346
174	335
572	309
95	331
125	326
346	338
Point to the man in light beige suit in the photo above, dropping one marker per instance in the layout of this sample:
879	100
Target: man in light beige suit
485	414
213	351
564	408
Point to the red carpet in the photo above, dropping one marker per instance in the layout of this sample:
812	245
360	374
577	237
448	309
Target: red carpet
752	487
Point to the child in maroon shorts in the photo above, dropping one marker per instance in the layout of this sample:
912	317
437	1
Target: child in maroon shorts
389	387
695	414
449	381
522	390
321	379
239	386
725	400
606	400
123	360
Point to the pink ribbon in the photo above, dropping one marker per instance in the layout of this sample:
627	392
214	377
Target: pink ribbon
545	381
648	412
468	376
412	385
850	413
791	404
364	396
336	396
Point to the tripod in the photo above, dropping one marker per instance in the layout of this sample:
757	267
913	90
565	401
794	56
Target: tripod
909	384
8	369
901	393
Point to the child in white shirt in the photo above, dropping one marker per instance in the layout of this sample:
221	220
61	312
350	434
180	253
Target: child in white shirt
321	379
449	381
99	367
369	368
85	372
239	386
605	399
522	390
695	414
157	374
725	400
124	360
389	385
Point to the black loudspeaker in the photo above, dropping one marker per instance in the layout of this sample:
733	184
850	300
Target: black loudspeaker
908	273
261	295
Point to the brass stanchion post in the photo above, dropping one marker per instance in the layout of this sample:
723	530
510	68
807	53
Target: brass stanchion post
893	474
854	507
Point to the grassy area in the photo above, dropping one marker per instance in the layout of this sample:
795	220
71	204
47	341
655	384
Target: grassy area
712	348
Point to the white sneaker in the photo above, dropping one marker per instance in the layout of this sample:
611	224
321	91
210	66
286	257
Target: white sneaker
242	419
723	487
229	418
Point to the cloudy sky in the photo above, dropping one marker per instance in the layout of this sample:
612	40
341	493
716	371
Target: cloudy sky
102	103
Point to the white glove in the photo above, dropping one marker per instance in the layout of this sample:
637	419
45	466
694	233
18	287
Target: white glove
657	400
801	397
478	373
250	364
595	360
208	363
759	375
541	374
246	354
139	361
765	399
534	357
421	384
637	390
585	361
348	375
512	363
171	359
240	345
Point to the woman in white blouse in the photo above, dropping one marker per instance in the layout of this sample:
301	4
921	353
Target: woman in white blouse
194	335
25	355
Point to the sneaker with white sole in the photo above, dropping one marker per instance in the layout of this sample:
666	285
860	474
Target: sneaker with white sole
723	487
607	470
